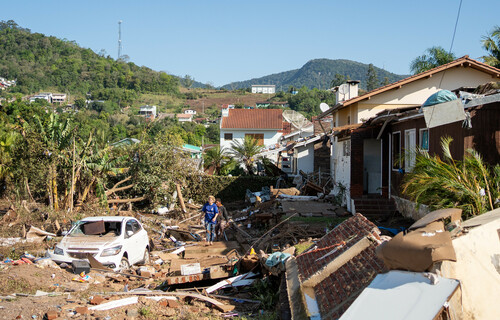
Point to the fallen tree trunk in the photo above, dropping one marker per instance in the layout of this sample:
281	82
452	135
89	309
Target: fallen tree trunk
116	189
126	200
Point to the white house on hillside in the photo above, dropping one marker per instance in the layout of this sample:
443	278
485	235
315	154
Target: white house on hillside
264	88
183	117
148	112
266	125
189	111
43	95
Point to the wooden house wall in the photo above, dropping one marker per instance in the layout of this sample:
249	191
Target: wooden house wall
484	137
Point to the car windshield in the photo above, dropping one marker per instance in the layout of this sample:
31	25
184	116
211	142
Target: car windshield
93	228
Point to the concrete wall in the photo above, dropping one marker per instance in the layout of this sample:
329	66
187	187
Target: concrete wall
305	158
478	267
410	209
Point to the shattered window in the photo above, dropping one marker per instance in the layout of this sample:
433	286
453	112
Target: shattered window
100	228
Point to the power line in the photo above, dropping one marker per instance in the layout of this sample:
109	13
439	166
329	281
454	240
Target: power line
452	39
456	24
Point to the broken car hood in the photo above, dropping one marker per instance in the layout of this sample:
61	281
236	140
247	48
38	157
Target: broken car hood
88	242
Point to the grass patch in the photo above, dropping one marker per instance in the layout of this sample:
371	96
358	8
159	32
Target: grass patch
303	246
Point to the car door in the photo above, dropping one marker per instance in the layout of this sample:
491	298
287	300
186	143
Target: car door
142	237
132	243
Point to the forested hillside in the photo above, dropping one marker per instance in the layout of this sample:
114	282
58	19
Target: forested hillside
319	73
39	62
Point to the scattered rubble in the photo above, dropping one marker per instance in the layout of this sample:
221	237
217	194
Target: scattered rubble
321	260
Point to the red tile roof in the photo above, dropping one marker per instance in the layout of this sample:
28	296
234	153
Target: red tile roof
253	119
335	293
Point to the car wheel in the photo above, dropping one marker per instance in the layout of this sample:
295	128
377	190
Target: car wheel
124	264
145	259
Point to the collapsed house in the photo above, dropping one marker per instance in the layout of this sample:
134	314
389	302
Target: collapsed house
324	280
438	268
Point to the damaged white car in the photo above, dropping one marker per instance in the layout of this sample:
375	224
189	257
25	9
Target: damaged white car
116	242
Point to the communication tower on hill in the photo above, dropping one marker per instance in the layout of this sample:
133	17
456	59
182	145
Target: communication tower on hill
119	39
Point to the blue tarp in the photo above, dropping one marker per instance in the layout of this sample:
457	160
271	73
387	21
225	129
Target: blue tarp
277	257
439	97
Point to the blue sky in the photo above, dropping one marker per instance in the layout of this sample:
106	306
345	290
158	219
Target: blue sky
224	41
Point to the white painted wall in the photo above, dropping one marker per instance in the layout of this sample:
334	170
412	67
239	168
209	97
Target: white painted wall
270	136
305	158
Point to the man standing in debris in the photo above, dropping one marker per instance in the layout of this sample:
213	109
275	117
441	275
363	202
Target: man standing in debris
211	212
219	228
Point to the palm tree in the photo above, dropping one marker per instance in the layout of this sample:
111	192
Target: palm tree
246	151
491	43
434	57
446	183
217	158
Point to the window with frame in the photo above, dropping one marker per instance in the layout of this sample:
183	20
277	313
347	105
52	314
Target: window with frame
257	136
228	136
396	150
424	139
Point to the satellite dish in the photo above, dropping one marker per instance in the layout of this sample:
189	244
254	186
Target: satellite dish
324	107
298	121
344	88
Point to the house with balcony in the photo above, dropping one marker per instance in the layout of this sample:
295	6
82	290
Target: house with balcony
59	97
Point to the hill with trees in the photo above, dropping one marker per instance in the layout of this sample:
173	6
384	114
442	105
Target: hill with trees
39	62
319	73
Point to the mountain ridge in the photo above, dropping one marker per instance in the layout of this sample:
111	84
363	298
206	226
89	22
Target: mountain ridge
318	73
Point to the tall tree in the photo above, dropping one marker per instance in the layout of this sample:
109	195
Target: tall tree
491	43
372	82
434	57
187	81
338	80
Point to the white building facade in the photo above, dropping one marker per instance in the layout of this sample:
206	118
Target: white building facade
264	88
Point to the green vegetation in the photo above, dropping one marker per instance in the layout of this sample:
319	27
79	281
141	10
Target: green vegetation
39	62
246	151
434	57
447	183
491	43
371	75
